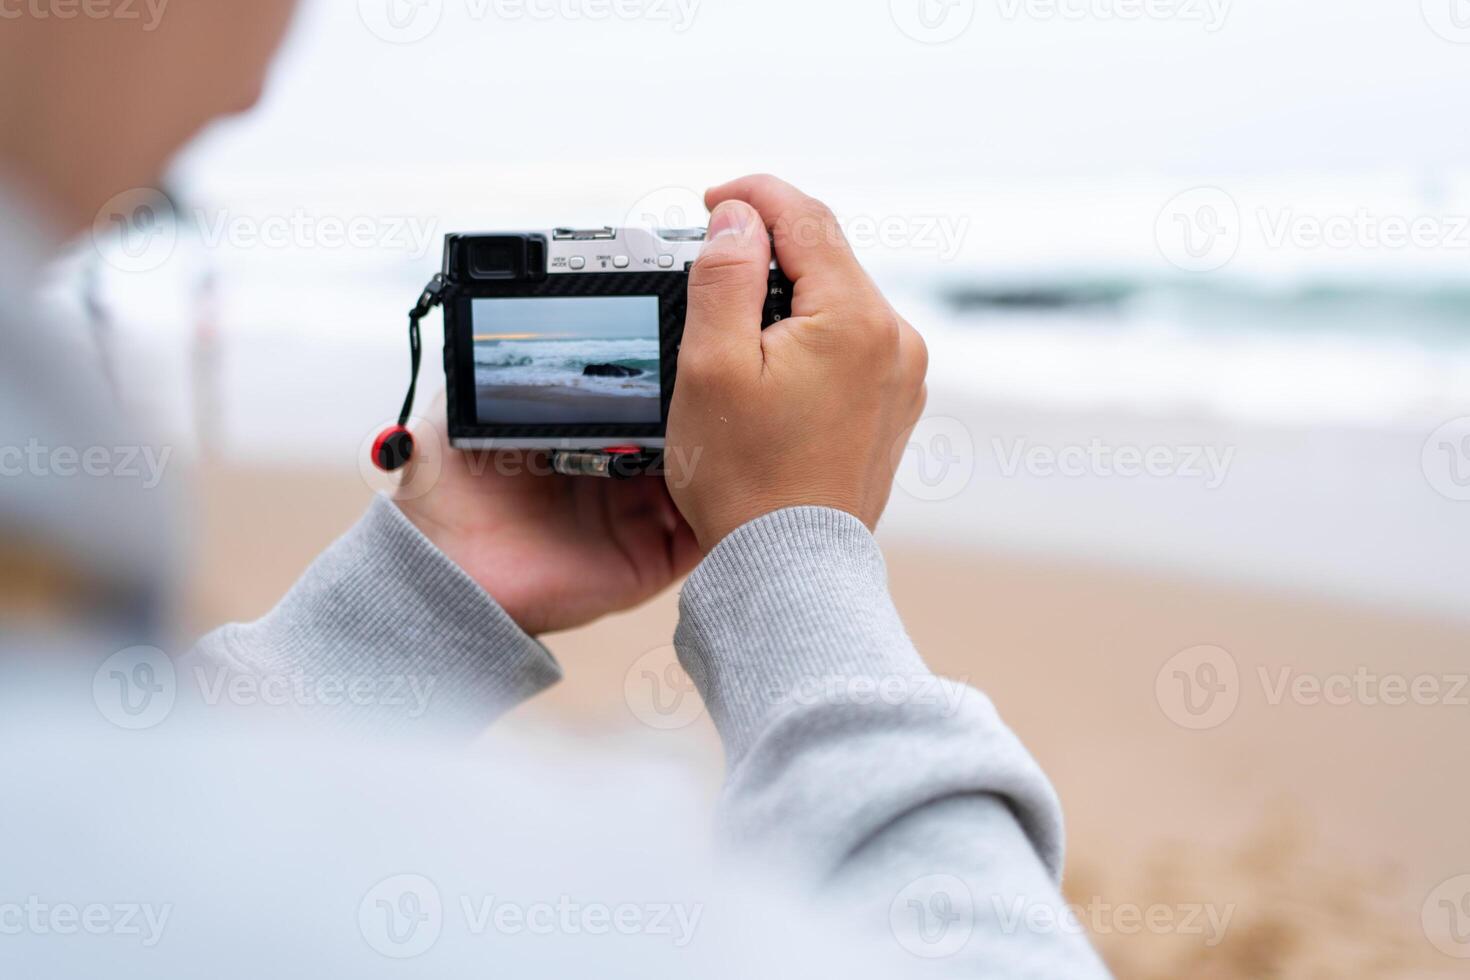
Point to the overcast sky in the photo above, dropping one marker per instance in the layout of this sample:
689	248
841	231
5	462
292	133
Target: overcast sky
708	87
567	318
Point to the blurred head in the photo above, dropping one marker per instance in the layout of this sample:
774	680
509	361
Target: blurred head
97	97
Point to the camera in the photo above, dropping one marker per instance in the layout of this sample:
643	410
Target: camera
567	340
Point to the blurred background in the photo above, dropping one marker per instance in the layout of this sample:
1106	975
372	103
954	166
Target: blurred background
1192	502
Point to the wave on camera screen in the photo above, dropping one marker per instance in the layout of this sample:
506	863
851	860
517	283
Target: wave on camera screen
564	364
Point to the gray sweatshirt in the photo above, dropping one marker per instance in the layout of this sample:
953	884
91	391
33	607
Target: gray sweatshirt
900	798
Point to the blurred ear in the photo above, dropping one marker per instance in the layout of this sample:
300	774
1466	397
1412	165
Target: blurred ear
97	106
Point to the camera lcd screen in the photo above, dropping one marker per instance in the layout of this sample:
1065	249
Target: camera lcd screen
567	360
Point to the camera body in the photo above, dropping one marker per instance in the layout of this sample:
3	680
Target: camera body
567	340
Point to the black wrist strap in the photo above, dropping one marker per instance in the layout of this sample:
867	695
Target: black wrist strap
432	296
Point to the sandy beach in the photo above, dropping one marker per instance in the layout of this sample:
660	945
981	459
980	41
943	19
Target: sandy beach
1319	829
544	404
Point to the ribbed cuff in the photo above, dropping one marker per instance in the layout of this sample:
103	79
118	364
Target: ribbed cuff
784	609
384	608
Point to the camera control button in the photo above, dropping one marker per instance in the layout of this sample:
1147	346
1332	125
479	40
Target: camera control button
665	261
620	261
577	263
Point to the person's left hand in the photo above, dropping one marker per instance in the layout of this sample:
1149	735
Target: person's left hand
555	551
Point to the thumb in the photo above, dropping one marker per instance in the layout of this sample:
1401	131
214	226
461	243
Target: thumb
727	289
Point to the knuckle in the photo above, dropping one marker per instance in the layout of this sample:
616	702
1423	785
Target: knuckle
810	224
882	329
719	269
818	211
696	363
701	359
920	355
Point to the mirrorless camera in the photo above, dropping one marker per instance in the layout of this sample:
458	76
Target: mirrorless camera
563	341
567	340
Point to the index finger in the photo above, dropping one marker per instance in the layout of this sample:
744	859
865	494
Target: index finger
808	239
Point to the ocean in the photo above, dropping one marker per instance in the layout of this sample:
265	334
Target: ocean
561	363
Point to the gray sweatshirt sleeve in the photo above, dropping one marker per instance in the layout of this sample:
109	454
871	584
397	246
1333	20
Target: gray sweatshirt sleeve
382	632
902	796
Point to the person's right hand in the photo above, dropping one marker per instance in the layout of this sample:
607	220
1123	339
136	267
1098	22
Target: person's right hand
815	410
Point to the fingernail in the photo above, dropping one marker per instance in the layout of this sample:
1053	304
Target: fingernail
728	219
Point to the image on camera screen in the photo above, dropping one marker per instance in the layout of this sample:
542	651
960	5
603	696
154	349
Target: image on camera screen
567	360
